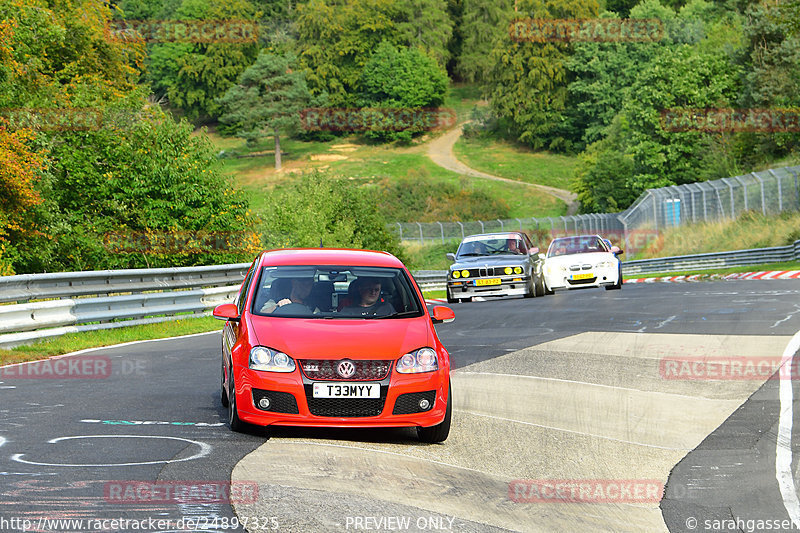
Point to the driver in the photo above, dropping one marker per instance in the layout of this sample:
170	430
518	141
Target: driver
298	294
369	301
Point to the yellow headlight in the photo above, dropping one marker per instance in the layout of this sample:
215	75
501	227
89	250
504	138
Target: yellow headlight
507	270
465	273
456	274
517	270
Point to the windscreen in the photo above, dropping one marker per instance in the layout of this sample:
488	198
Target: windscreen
576	245
491	245
335	292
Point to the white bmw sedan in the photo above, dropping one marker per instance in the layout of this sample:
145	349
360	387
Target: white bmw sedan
582	261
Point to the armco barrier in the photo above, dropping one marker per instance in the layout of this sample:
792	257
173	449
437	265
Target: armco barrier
21	323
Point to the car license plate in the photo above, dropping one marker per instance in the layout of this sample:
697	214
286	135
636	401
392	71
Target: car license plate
347	390
582	276
485	282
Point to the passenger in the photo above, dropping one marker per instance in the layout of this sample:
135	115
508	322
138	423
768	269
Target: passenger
298	294
367	294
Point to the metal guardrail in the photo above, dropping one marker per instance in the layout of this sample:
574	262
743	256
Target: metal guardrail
199	289
25	287
777	254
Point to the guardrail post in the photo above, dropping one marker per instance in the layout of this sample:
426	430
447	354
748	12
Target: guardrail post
796	188
780	189
763	204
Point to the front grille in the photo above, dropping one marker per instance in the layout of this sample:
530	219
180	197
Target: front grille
407	404
325	369
345	407
279	402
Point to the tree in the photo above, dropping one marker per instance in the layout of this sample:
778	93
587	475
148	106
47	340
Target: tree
267	99
318	210
482	22
193	75
527	83
336	38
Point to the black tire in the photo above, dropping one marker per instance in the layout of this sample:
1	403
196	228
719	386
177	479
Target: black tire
547	290
466	299
439	432
531	292
223	392
450	299
234	421
539	287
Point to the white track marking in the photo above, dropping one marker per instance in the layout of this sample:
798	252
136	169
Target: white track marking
783	444
205	449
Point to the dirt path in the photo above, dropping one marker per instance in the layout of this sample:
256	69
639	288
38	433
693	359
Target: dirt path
440	151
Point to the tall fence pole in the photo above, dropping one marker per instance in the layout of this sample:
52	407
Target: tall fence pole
763	204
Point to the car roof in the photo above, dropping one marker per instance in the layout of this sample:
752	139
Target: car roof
498	235
329	256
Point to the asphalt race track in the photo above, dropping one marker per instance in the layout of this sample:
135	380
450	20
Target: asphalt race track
645	409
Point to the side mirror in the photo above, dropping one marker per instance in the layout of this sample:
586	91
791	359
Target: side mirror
534	250
226	312
616	250
451	257
440	314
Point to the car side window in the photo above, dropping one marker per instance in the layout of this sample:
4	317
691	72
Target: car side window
242	297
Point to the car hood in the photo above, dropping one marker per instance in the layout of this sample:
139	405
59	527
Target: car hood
387	338
489	260
581	259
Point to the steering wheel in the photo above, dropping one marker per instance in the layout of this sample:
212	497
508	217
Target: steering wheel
292	309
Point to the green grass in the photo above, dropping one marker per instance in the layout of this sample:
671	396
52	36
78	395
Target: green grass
513	161
792	265
750	230
94	339
462	98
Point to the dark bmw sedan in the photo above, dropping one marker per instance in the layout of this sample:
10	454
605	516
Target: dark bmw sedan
495	264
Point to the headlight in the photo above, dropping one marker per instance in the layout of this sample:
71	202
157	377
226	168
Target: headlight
508	271
517	270
422	360
605	264
465	273
269	360
456	274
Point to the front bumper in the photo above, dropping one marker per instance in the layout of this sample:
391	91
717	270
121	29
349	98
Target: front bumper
292	402
600	277
509	286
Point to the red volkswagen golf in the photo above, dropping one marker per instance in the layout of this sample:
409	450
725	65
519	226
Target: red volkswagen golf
334	338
